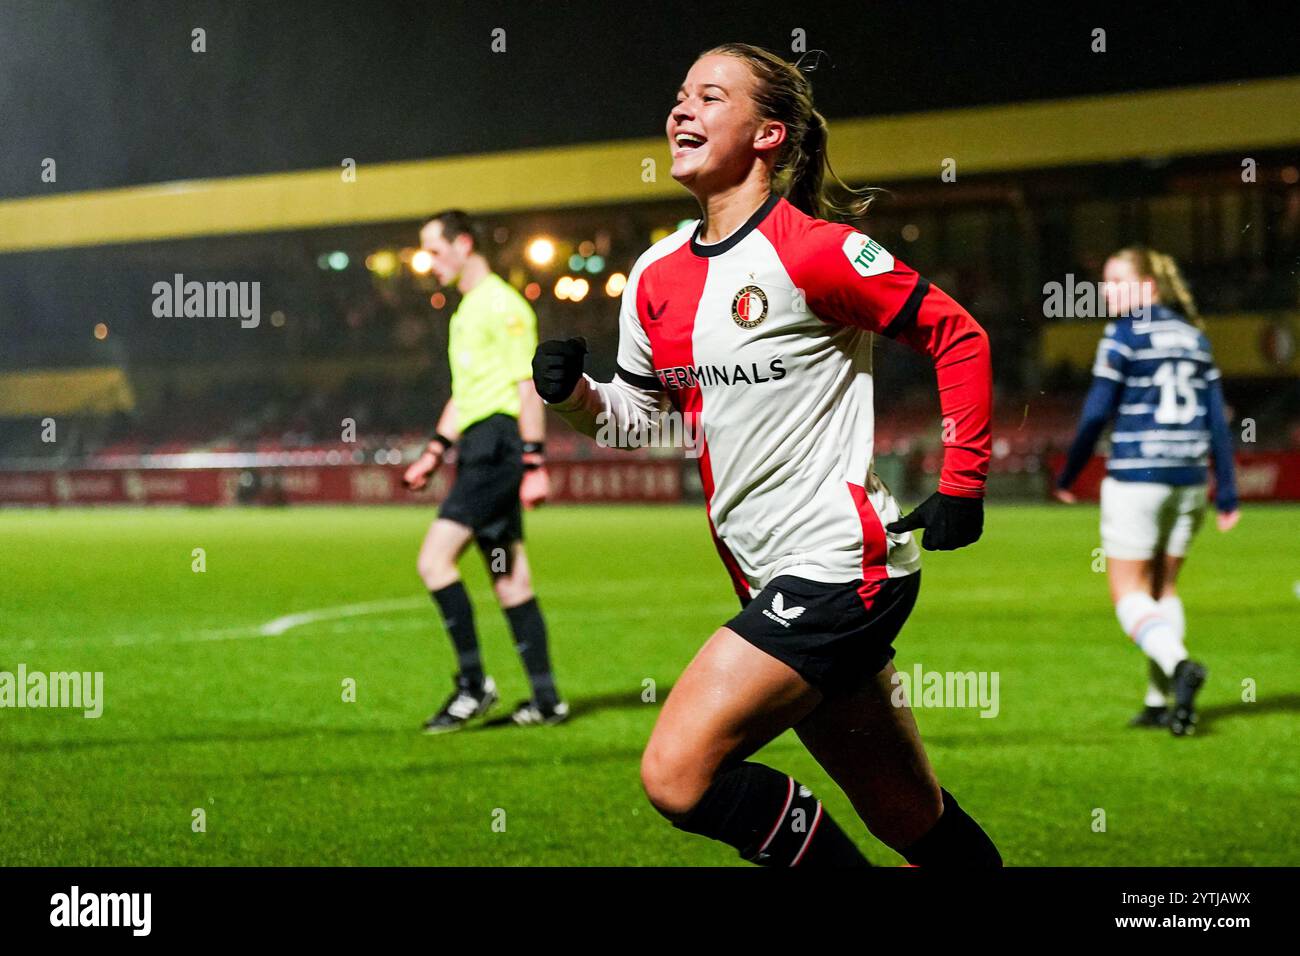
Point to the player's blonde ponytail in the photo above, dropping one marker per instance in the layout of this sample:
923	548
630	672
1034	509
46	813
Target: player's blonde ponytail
1164	272
802	166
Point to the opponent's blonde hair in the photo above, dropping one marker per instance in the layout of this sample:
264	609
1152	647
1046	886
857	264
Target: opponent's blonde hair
802	167
1164	272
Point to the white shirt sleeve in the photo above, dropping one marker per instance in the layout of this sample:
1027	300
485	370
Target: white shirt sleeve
609	411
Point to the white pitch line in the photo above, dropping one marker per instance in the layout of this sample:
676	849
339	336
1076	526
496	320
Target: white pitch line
289	621
280	625
270	629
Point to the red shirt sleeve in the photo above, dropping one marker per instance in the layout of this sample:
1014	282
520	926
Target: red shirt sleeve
849	278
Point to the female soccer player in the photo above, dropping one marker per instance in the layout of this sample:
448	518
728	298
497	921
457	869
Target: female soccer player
756	324
1156	380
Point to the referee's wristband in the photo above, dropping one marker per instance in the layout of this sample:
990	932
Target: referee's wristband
533	455
534	448
443	440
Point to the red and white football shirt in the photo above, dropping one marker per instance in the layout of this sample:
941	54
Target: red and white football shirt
765	340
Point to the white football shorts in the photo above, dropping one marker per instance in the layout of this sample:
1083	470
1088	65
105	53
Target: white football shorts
1140	519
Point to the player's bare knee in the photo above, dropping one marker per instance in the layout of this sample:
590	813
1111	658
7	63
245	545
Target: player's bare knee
515	587
435	570
671	783
512	593
900	822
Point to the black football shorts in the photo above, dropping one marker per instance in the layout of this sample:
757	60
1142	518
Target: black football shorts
831	635
485	495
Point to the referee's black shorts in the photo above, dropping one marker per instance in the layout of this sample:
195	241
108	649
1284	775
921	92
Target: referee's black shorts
831	635
485	494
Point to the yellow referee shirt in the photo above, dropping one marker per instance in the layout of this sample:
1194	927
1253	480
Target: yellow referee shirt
490	346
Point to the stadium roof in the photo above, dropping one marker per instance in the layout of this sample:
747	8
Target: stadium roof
1252	115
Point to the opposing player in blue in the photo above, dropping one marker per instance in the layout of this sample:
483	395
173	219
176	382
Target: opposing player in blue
1156	380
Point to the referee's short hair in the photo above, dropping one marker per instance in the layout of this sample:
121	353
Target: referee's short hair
457	222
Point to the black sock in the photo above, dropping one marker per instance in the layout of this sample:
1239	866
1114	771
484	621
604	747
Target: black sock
771	819
529	629
956	840
458	616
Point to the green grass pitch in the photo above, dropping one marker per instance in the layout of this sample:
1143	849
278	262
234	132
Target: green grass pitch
204	711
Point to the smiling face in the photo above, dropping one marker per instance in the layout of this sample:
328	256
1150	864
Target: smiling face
714	130
1127	292
448	258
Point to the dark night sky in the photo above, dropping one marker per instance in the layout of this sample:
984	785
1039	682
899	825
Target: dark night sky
112	91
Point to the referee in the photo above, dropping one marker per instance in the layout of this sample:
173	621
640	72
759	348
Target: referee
497	419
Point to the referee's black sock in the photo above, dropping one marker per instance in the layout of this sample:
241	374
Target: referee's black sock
529	629
956	840
458	616
771	819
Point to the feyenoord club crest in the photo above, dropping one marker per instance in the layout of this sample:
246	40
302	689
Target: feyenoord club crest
749	307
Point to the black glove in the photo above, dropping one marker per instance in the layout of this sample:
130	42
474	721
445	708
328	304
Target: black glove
950	522
557	366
